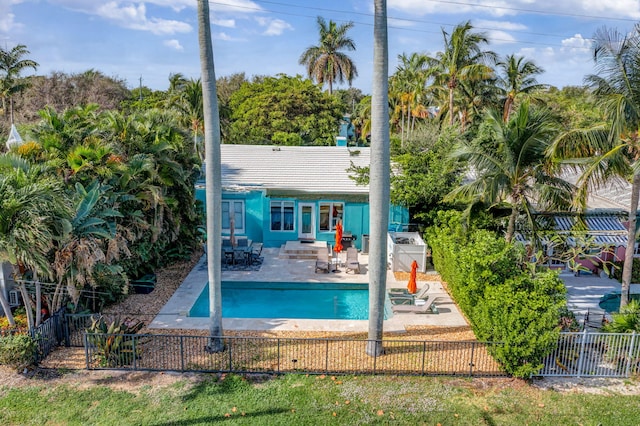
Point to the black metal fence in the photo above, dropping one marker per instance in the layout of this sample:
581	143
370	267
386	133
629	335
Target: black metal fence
288	355
49	334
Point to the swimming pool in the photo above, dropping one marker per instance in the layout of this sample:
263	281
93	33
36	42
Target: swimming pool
610	302
288	300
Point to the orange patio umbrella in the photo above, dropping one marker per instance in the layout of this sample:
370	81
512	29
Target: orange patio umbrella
413	286
338	247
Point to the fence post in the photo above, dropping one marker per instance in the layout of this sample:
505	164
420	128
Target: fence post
473	348
65	326
583	343
630	356
278	364
424	356
86	348
230	353
326	356
182	353
135	353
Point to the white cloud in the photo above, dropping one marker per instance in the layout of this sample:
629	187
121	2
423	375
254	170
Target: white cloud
576	43
613	9
274	26
135	18
235	6
227	23
223	36
7	18
174	44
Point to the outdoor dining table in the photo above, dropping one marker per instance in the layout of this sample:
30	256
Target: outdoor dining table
242	254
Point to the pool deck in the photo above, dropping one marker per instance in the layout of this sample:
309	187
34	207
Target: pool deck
174	315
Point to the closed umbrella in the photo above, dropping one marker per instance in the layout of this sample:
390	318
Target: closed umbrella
338	247
413	286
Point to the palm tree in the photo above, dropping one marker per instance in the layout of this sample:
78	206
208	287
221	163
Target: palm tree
11	65
379	193
29	205
189	103
326	63
408	86
608	153
213	170
462	59
513	170
517	77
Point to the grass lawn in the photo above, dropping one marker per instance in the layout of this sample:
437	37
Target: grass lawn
306	400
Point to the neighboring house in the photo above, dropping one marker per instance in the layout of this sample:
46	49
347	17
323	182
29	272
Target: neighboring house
283	193
7	285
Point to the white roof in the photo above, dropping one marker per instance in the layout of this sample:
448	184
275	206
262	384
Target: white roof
293	169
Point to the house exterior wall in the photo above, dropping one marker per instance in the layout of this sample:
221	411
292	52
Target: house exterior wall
257	208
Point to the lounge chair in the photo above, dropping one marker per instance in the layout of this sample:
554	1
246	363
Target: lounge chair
403	293
430	308
352	260
322	261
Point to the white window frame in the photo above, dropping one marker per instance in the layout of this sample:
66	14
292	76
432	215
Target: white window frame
333	220
239	209
282	205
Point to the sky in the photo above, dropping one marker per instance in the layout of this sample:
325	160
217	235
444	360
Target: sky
146	41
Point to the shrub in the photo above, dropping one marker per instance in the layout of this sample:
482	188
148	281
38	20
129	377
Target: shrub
17	351
503	302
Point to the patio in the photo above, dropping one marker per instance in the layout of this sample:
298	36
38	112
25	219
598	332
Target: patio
276	268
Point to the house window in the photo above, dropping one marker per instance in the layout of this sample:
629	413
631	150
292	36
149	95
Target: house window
235	209
282	215
330	215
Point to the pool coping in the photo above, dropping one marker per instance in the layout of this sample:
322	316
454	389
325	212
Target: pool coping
174	314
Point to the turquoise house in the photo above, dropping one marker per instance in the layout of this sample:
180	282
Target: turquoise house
285	193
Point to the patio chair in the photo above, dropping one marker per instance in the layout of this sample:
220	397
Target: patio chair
242	242
430	308
352	260
226	244
256	251
322	261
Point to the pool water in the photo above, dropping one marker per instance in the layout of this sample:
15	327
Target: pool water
610	302
288	300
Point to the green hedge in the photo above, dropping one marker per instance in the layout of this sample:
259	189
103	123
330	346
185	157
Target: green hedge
17	351
503	302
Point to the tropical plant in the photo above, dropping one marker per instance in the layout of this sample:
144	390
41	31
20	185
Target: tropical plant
611	152
89	237
625	321
462	59
114	343
379	188
326	63
512	168
213	176
516	78
11	65
30	205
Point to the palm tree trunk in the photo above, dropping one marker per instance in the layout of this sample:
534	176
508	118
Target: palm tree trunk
213	170
511	227
627	268
379	181
6	308
28	308
451	105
